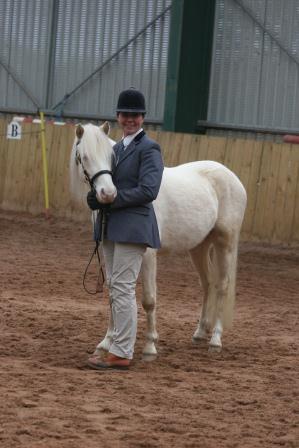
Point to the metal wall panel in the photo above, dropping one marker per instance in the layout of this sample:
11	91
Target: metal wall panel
24	43
54	45
255	68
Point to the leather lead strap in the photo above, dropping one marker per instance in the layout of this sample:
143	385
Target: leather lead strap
99	286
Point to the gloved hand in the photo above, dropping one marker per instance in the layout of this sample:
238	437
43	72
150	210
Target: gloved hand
93	203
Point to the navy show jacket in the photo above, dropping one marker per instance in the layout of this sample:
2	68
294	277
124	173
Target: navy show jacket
137	177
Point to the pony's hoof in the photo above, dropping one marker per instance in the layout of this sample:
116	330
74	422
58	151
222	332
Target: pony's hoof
149	352
149	357
200	335
215	349
197	341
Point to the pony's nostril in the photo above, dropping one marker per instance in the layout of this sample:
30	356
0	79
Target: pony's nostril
107	194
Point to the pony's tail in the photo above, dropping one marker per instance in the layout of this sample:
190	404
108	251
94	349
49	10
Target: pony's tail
209	259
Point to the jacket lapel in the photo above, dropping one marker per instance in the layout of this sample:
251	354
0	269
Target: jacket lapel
121	153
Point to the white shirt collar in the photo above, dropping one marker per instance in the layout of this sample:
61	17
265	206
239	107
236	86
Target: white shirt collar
129	138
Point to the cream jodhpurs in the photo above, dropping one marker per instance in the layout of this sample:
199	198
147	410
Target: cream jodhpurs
123	263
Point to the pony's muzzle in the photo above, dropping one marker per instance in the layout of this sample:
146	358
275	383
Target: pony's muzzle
106	196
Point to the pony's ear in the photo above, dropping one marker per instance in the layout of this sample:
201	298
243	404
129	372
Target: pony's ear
79	131
105	127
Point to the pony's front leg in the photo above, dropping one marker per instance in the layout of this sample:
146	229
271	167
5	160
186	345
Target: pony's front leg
105	344
107	252
149	272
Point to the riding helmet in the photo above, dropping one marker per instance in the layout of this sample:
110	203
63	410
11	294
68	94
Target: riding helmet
131	100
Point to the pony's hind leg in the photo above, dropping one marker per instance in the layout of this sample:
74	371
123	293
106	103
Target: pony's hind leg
226	247
200	257
149	271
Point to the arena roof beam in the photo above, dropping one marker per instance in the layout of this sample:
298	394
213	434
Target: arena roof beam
275	39
67	96
20	83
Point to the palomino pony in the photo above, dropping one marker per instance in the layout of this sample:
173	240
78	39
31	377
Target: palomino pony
199	208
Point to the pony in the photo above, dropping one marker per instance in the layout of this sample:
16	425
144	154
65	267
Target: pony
200	208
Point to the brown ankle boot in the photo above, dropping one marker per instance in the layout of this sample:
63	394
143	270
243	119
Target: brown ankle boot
110	362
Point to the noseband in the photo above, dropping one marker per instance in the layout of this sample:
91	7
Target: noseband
87	177
99	173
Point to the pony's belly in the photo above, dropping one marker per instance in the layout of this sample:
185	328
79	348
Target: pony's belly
186	232
181	242
186	209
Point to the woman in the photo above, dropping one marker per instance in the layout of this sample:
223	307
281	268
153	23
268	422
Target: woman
131	225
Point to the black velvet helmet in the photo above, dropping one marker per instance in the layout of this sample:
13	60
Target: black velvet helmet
131	100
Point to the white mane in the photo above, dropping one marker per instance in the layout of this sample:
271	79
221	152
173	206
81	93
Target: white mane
98	147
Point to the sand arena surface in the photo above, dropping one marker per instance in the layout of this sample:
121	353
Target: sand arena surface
248	396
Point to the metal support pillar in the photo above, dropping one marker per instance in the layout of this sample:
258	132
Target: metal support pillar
189	61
